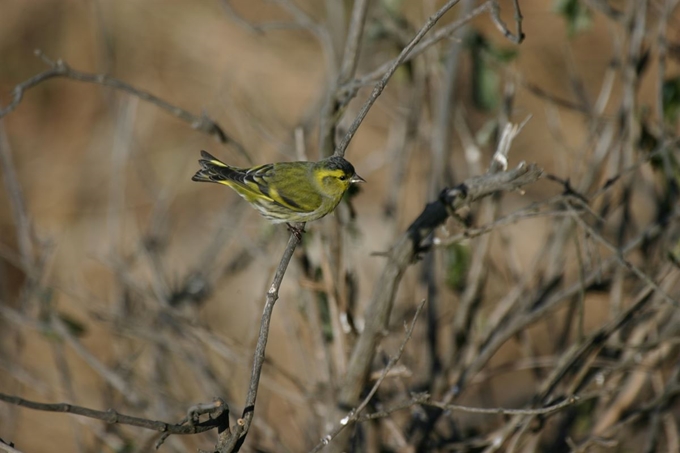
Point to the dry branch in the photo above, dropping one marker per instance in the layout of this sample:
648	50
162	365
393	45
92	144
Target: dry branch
405	252
111	416
60	68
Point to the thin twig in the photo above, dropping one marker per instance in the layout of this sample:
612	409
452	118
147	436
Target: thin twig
7	448
424	399
17	202
380	86
60	68
618	253
350	60
530	212
534	312
435	37
401	255
112	417
353	415
232	440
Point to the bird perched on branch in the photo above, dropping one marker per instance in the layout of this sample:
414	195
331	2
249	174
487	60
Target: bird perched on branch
285	191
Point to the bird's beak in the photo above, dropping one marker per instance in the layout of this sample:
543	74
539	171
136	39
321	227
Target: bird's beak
356	178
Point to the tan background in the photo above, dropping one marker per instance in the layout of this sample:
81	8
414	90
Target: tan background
100	169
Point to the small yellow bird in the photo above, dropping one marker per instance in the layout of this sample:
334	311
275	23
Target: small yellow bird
285	191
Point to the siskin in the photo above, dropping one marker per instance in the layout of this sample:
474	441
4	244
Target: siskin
285	191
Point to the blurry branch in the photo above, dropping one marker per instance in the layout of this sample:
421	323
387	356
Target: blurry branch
260	27
621	259
413	51
349	88
534	311
530	212
307	22
442	102
54	326
9	448
350	57
67	388
443	105
380	86
403	253
229	353
17	202
577	359
552	98
661	403
333	266
231	440
402	138
189	426
60	68
353	415
116	380
301	21
424	399
605	8
476	277
333	106
245	23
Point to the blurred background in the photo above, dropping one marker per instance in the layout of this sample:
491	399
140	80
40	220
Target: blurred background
124	284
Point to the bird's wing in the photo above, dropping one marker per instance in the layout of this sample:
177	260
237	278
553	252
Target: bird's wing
285	183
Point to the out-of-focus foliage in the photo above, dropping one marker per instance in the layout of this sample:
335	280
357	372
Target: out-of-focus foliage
671	100
576	14
488	61
457	264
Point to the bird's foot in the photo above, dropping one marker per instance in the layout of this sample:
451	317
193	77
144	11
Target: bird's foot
297	231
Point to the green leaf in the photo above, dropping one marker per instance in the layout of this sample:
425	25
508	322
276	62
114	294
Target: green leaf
75	327
671	99
457	265
487	62
576	14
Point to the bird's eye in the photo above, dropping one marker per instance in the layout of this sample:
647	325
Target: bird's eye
343	177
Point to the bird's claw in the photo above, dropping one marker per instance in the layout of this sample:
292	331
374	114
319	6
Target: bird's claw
297	231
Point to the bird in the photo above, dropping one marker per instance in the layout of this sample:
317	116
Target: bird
290	192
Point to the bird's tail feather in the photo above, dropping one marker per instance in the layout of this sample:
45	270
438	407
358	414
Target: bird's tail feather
212	169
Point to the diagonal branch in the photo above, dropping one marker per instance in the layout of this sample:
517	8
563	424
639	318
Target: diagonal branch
60	68
380	86
355	413
403	253
350	59
439	35
231	440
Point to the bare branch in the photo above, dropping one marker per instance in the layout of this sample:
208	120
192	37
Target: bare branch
60	68
424	399
17	202
350	60
435	37
403	253
380	86
112	417
353	415
7	447
620	258
231	440
518	37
